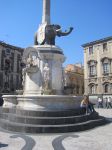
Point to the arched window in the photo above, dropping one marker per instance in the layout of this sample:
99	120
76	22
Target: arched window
77	89
106	65
92	88
82	89
106	88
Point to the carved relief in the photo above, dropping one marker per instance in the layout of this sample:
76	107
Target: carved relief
31	64
93	80
106	79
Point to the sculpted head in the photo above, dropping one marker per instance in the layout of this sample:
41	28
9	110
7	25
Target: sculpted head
46	65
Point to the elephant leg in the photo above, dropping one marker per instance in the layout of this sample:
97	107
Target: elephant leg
47	41
53	41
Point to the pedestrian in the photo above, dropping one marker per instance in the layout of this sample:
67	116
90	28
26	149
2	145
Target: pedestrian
100	102
83	104
106	99
109	102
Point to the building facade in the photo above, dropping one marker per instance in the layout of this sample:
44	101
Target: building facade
10	68
74	79
98	66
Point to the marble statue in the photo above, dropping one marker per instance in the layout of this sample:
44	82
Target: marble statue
46	76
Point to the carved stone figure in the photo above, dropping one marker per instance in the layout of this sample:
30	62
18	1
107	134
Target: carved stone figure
46	76
29	61
30	65
23	76
51	31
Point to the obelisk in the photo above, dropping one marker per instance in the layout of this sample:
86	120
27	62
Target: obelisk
47	32
46	12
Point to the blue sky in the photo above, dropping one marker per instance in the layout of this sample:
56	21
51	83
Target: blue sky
91	19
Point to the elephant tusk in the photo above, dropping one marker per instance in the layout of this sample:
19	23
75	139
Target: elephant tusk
58	30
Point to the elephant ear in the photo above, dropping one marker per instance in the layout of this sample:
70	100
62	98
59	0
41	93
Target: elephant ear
57	26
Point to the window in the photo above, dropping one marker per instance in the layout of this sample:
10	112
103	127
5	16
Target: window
92	89
92	70
106	62
77	89
106	88
104	46
105	68
82	89
18	63
7	64
92	67
2	59
17	82
1	81
7	51
12	61
111	87
91	50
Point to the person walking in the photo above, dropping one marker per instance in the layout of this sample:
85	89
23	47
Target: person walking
100	102
106	99
109	105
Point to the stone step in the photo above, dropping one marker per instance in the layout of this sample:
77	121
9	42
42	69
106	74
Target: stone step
29	128
45	113
48	120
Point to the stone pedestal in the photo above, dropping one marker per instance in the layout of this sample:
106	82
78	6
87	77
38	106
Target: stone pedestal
34	79
48	102
42	81
42	102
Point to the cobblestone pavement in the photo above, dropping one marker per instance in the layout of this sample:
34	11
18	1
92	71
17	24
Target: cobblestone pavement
99	138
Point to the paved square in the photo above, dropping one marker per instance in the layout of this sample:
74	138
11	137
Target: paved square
99	138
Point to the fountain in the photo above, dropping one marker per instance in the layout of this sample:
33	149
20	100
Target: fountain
42	107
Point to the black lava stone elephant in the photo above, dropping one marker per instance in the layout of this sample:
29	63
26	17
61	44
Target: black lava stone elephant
51	31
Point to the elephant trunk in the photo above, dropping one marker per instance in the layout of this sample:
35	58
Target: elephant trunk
60	33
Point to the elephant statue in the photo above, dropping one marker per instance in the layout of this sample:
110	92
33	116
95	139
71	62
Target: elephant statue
51	31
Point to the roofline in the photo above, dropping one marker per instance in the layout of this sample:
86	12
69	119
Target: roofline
97	41
75	72
11	46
